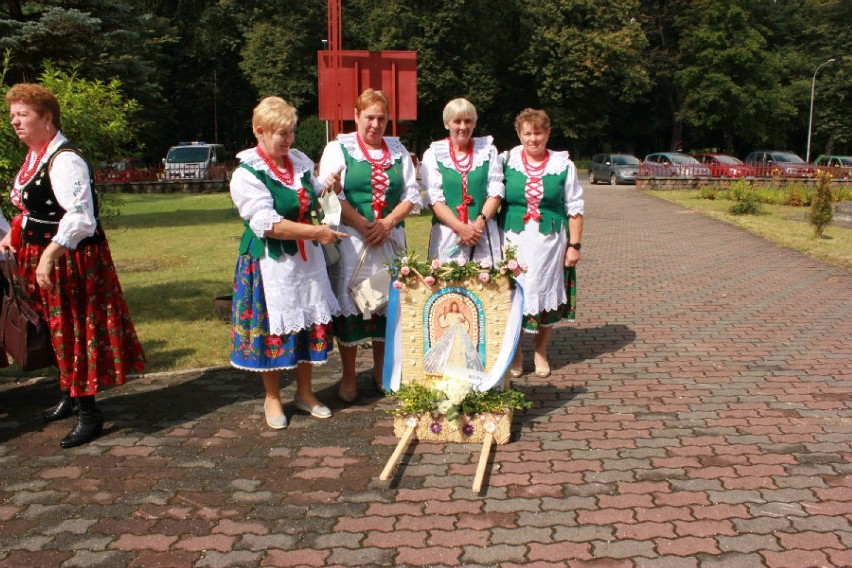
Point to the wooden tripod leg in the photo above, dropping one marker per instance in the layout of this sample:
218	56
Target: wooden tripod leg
400	447
483	461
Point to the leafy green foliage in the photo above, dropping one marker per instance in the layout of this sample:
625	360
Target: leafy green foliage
95	116
747	204
821	212
416	398
621	75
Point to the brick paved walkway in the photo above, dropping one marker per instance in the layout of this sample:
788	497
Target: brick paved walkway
698	416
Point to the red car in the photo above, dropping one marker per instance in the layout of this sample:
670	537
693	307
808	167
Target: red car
124	170
722	165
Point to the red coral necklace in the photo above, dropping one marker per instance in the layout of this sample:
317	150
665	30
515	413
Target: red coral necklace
285	176
30	166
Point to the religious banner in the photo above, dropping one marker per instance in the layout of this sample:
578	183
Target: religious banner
451	336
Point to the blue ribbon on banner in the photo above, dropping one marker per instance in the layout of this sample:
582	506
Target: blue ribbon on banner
391	333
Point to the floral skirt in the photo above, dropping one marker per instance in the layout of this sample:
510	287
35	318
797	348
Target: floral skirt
355	330
252	346
533	323
91	330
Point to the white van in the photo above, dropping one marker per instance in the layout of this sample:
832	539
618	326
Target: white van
195	160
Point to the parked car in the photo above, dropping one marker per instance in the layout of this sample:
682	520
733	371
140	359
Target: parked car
839	166
196	160
672	164
722	165
774	163
613	168
125	170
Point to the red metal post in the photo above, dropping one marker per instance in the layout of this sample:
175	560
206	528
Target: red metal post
335	46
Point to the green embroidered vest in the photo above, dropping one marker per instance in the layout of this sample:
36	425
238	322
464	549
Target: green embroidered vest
552	206
286	204
359	187
477	189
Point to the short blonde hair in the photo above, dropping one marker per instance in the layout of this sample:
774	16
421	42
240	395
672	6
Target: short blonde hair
370	97
40	99
273	113
459	108
537	118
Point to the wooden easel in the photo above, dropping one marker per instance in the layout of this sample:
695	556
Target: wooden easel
406	438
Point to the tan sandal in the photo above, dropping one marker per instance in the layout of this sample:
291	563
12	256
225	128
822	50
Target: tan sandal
516	369
541	370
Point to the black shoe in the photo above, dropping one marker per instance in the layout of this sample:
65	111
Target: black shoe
63	409
90	424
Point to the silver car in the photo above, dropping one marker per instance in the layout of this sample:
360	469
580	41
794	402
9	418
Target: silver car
613	168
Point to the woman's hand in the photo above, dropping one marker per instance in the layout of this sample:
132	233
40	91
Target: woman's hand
468	233
377	232
326	235
44	272
572	256
6	244
332	183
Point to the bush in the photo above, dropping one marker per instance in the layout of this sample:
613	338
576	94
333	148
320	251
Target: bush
740	190
747	206
707	192
821	213
797	196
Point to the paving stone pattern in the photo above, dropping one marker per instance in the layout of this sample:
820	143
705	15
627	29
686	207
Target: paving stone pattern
698	415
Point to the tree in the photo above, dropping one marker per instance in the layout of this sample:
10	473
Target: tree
730	83
586	58
96	116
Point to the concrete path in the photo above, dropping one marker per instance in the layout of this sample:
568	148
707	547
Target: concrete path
698	416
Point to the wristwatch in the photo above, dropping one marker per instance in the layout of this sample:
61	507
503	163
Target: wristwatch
574	245
484	218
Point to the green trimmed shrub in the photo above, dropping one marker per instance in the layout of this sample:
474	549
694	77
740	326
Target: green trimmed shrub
821	208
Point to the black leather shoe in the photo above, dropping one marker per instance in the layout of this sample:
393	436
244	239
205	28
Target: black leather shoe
63	409
90	424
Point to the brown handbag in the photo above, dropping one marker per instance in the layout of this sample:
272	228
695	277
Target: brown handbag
23	332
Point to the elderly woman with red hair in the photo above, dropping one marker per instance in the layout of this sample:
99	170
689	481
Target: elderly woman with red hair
66	264
543	217
380	190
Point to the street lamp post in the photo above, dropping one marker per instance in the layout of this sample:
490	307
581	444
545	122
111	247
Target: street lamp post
811	115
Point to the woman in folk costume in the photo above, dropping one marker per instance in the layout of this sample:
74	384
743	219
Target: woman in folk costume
543	217
283	302
66	264
380	190
463	178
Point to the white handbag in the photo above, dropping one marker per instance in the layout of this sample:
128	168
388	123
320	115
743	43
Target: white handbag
370	295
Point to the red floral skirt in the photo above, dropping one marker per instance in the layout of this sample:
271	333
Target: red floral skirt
91	330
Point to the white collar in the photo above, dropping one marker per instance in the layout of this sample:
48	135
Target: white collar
557	163
301	164
350	143
481	152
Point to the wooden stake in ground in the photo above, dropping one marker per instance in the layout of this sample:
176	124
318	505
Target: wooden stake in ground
400	447
483	461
